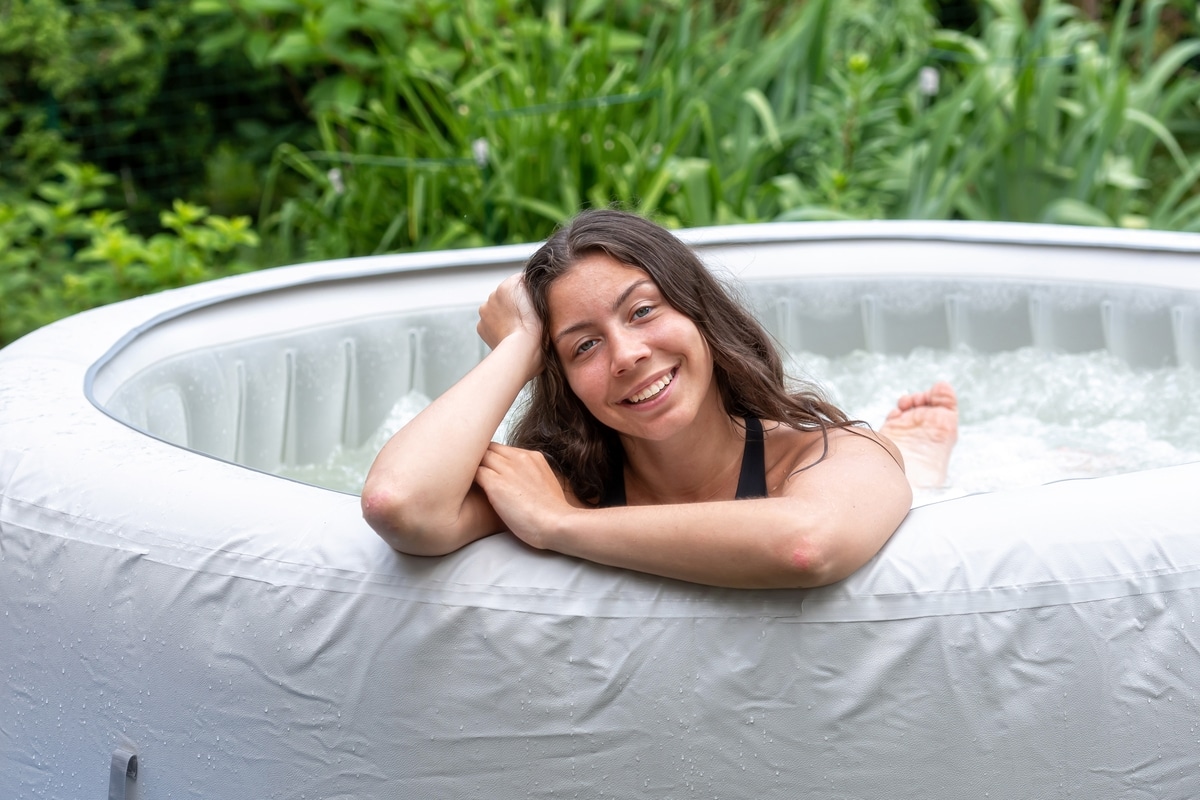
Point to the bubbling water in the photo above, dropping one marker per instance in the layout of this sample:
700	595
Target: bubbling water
1027	417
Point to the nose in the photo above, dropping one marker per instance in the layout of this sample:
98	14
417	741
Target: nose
626	349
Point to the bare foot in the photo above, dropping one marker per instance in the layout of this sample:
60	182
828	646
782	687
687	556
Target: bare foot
924	426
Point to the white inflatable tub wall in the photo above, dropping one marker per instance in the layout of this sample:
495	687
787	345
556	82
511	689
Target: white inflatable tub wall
248	636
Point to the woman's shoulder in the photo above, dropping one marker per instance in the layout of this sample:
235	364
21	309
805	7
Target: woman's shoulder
789	450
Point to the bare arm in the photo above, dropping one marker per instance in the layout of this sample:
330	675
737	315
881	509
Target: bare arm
419	494
828	521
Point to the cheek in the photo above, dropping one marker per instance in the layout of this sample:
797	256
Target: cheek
683	329
700	346
586	382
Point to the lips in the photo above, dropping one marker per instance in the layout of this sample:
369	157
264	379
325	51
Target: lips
653	390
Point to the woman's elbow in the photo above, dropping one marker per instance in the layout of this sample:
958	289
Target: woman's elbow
393	516
828	554
381	510
807	562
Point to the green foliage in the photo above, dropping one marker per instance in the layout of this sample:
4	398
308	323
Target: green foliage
864	112
439	124
61	254
446	124
66	69
120	83
1049	122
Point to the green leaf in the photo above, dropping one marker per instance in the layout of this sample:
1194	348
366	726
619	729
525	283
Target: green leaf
357	58
426	55
40	215
1160	132
1118	172
258	48
215	44
53	192
758	101
814	214
625	42
204	7
342	93
1069	211
270	6
541	207
294	48
337	19
588	9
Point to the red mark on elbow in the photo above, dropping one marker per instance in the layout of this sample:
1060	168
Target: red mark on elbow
370	503
802	559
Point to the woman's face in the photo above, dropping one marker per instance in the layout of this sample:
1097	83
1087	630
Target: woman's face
640	366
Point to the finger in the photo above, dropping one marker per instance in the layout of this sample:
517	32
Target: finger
489	456
491	459
484	476
498	455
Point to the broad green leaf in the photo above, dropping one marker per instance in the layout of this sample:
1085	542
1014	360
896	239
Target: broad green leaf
338	17
350	56
1069	211
625	42
258	47
1118	171
588	9
294	48
216	44
426	55
203	7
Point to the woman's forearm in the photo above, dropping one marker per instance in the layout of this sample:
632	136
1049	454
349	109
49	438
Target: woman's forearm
741	544
417	487
765	543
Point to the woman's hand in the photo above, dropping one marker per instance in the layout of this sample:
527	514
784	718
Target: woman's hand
524	491
508	310
420	493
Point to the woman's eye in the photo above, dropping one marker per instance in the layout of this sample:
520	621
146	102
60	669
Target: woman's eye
583	348
641	312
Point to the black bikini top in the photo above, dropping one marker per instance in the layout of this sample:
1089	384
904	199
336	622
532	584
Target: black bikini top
752	481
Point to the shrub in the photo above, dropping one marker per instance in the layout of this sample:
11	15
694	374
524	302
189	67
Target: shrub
60	253
444	125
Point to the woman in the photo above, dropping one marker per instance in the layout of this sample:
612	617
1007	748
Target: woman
656	400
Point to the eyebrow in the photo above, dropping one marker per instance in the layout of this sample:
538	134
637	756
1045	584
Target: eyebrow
616	306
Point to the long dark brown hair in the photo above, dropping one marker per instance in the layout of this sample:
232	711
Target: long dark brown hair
746	364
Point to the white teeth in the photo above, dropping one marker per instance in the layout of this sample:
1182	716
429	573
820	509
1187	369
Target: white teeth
652	389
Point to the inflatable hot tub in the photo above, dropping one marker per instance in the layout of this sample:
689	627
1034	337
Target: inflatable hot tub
166	594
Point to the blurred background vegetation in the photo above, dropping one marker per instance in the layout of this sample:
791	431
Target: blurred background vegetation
147	144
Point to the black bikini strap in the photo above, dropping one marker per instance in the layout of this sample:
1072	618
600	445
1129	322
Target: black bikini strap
752	482
614	487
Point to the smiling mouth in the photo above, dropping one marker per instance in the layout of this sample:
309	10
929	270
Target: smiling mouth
653	390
